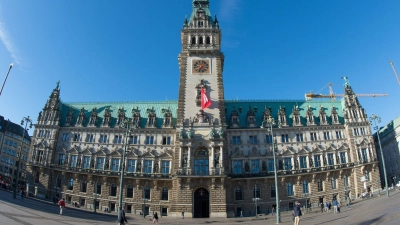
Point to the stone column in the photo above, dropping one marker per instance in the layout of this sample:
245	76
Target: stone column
212	156
180	157
189	157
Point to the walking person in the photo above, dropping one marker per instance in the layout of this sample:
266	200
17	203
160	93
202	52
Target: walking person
155	220
61	203
122	218
335	206
297	212
322	207
183	215
273	210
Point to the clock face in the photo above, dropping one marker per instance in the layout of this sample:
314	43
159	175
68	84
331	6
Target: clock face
201	66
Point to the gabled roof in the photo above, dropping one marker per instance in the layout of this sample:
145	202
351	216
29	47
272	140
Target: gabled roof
148	154
238	154
165	154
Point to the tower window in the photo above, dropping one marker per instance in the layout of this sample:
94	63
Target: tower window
201	40
200	23
193	40
208	41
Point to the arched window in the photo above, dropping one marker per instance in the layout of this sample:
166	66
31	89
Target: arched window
71	184
201	40
146	192
113	190
289	188
129	191
238	193
98	188
164	193
320	187
256	191
333	182
193	40
208	41
305	187
367	175
83	186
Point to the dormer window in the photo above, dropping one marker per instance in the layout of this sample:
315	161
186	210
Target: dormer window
200	23
310	116
151	119
81	117
121	116
107	117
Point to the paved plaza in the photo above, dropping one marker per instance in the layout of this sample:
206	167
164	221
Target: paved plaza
29	211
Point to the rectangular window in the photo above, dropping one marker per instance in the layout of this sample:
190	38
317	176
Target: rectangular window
255	166
333	182
86	162
268	138
133	140
288	163
89	138
236	140
115	164
331	161
343	157
117	139
103	138
364	155
73	160
303	162
362	129
299	137
252	139
100	163
327	136
131	165
61	159
149	140
65	137
338	134
165	167
313	136
317	160
148	166
77	137
284	138
237	166
271	165
166	140
356	132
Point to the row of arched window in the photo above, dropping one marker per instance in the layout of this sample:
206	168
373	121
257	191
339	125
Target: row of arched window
200	40
113	190
239	191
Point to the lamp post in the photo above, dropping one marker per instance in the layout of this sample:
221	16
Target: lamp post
27	121
11	65
94	202
271	122
305	197
144	207
378	119
125	124
255	200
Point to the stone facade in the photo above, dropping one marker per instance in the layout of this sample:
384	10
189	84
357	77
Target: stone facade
208	162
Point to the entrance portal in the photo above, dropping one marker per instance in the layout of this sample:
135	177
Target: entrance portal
201	203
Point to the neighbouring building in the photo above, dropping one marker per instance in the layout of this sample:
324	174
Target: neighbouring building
207	162
390	141
11	138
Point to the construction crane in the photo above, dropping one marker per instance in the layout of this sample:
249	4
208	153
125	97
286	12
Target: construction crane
333	96
391	63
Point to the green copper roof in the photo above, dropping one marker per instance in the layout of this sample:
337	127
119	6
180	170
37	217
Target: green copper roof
201	4
388	128
114	106
303	105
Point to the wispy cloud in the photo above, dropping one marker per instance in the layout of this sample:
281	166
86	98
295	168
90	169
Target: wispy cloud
6	40
230	9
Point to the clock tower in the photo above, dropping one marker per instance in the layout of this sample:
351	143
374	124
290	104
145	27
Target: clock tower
200	154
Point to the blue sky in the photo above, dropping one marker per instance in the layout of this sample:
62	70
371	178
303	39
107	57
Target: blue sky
127	50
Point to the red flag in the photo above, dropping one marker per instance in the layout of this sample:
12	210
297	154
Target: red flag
205	102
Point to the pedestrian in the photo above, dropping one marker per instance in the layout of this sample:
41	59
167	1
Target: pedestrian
155	220
335	206
183	215
322	207
61	203
273	210
348	202
241	214
122	218
329	206
297	212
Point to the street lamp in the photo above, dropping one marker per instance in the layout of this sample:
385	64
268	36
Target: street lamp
144	207
94	202
305	197
271	122
255	200
27	121
11	65
378	119
124	124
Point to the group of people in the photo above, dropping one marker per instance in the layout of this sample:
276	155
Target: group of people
326	207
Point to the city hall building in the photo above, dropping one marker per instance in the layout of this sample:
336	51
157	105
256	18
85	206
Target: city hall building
203	160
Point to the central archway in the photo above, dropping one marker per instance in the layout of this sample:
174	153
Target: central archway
201	203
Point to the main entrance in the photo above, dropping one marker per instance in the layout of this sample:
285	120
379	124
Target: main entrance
201	204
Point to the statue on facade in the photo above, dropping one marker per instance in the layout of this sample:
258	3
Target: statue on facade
181	134
92	163
264	166
212	134
189	133
78	163
155	168
246	167
139	167
106	166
